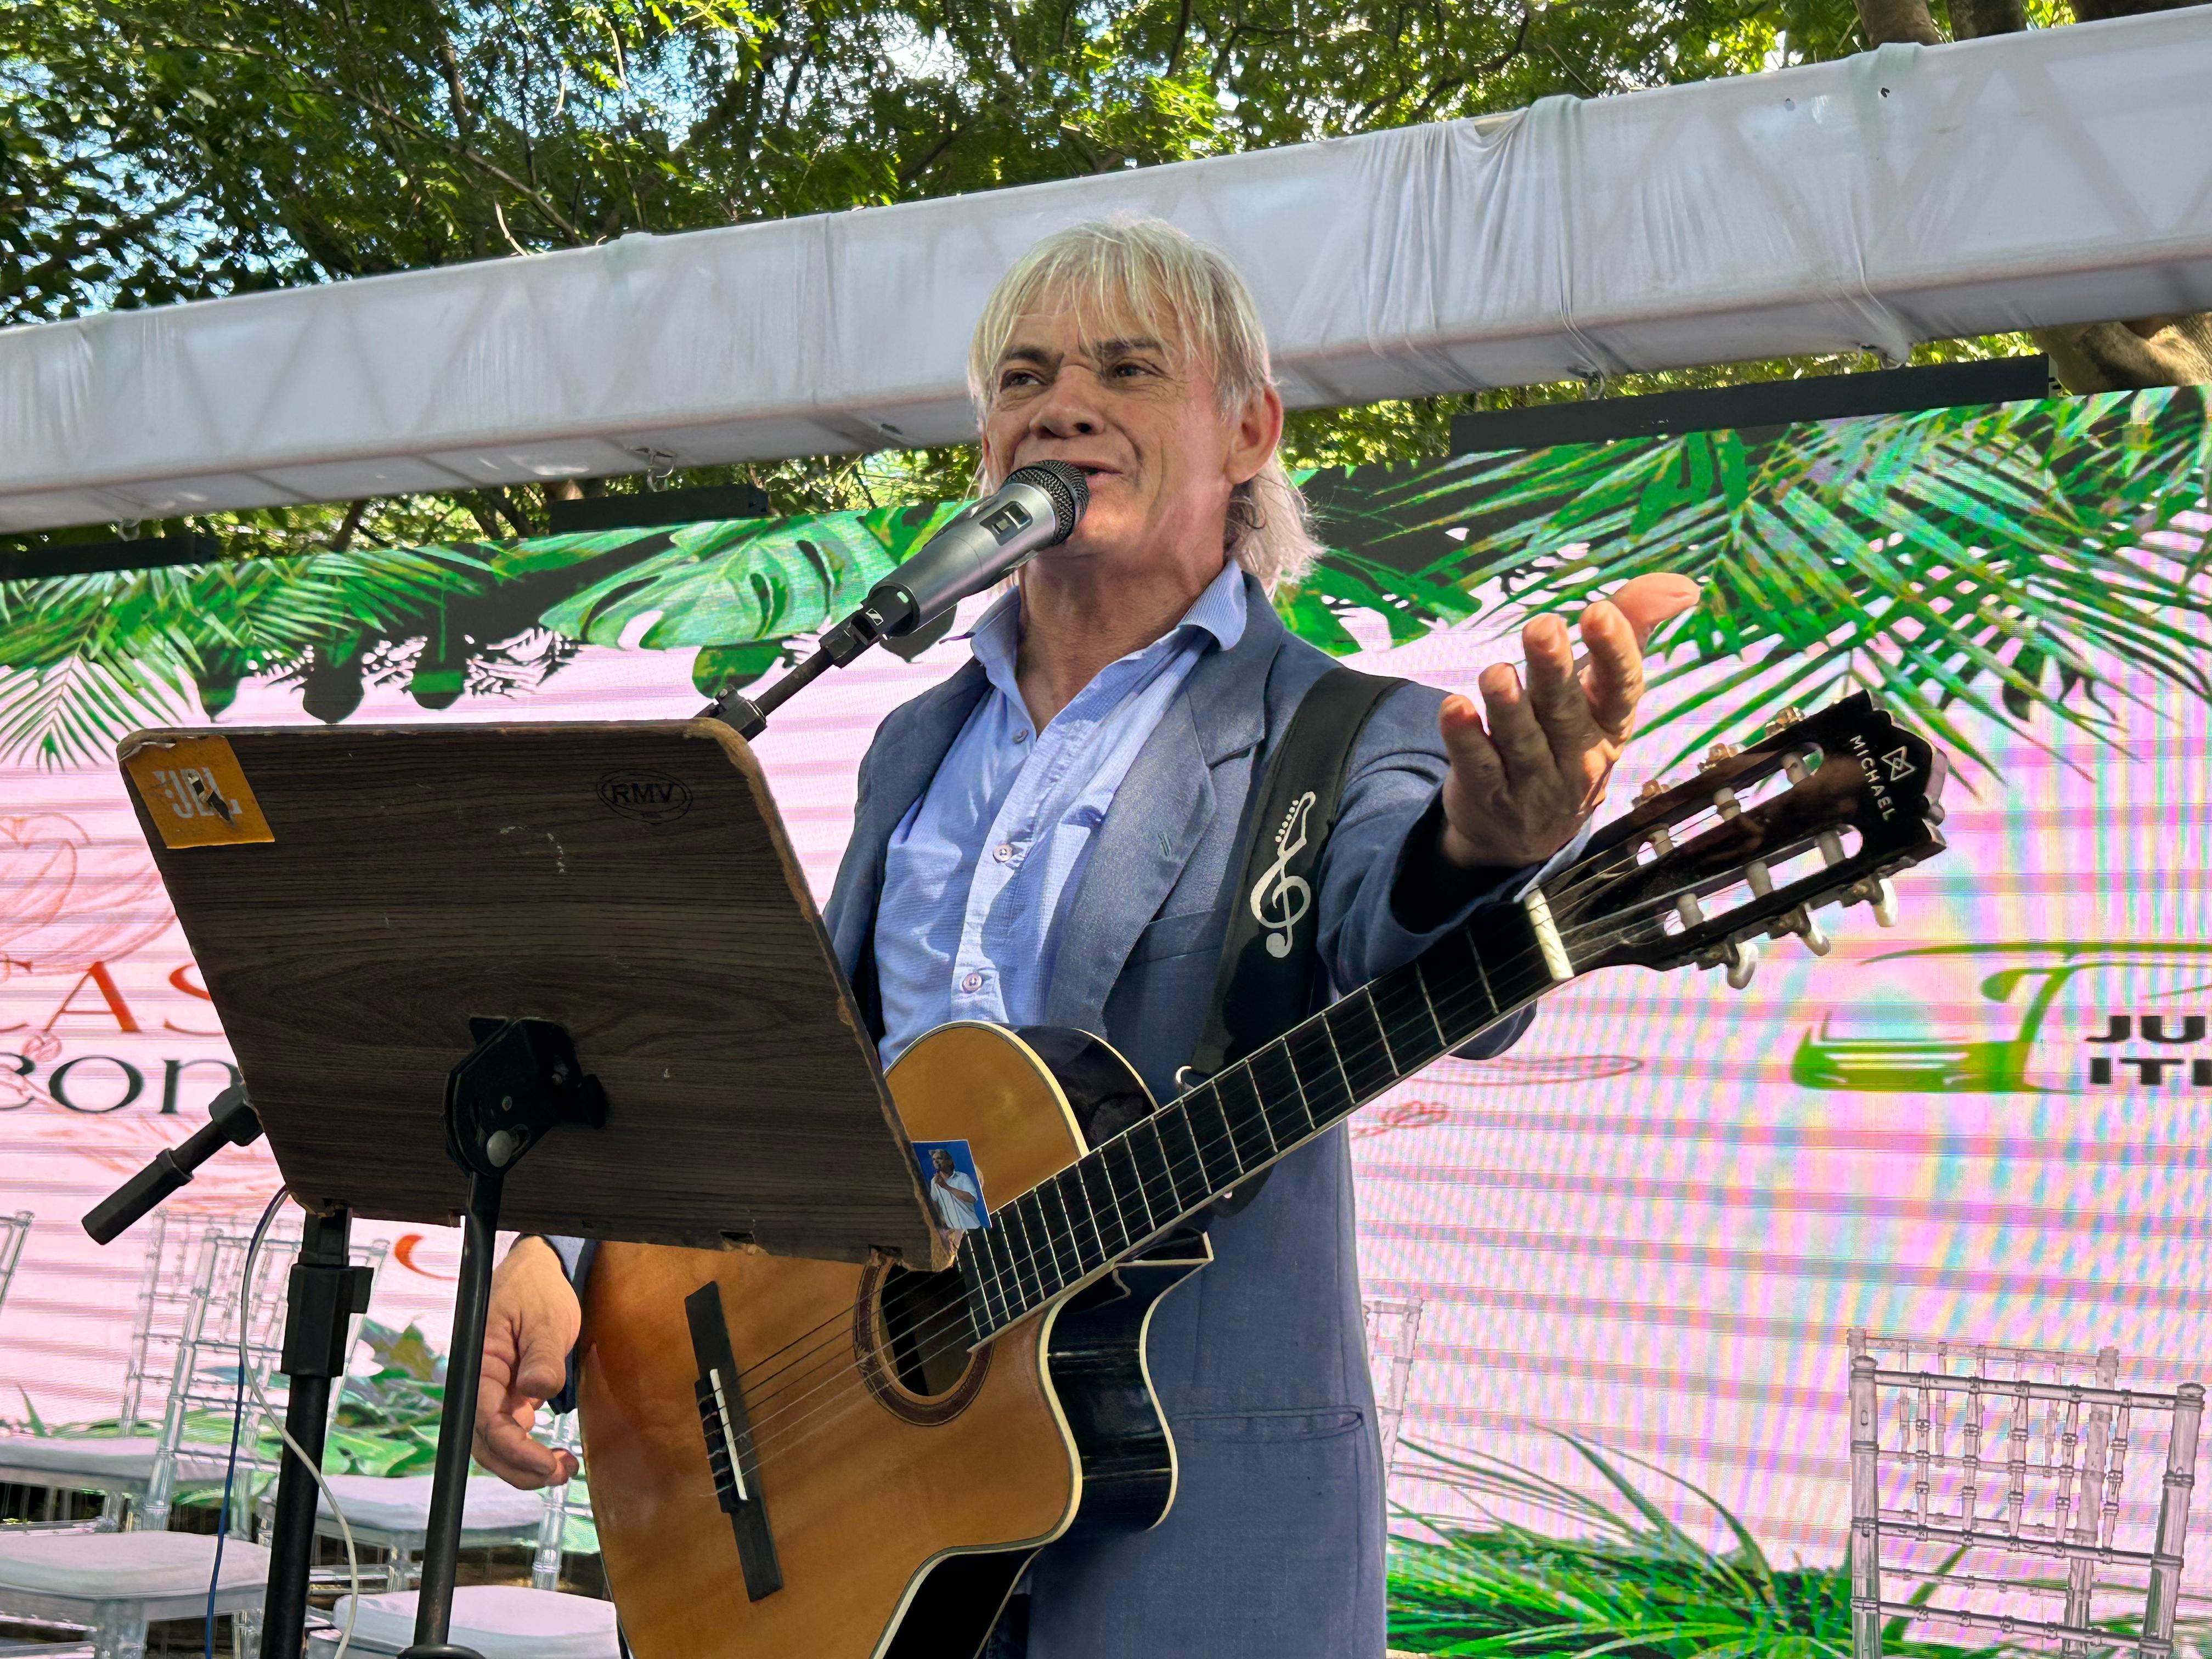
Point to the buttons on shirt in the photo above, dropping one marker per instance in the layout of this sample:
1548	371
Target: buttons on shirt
971	982
1003	851
1021	734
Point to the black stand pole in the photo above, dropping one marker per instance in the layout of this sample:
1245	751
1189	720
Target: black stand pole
327	1290
521	1079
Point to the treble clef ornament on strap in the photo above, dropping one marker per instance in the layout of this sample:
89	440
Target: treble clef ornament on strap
1280	900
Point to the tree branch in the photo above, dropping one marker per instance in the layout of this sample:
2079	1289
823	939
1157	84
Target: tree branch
1886	22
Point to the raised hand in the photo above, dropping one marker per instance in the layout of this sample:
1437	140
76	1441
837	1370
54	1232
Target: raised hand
1530	766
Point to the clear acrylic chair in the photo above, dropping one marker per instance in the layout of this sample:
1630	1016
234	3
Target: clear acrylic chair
499	1622
1394	1332
112	1584
120	1466
1995	1481
14	1230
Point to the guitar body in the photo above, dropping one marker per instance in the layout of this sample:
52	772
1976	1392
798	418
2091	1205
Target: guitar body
901	1483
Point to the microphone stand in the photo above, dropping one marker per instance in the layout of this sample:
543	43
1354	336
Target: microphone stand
747	716
326	1290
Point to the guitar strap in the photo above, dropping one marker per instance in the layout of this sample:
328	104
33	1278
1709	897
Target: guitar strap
1270	974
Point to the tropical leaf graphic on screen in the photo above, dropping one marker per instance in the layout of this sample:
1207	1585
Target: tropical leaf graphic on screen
1621	1577
85	658
2004	560
1919	1041
741	591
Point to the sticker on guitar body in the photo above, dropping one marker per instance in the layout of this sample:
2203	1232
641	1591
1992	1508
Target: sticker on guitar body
955	1187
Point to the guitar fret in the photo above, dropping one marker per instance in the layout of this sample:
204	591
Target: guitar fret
1070	1183
975	1291
1400	1005
1217	1146
1453	966
1060	1235
1156	1169
1513	968
1365	1059
1029	1270
1105	1211
1429	1002
1185	1169
1120	1162
990	1245
1247	1115
1312	1050
1275	1079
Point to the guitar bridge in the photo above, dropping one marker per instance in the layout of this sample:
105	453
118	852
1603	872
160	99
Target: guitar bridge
730	1459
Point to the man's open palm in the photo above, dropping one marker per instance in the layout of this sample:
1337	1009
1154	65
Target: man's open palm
1530	766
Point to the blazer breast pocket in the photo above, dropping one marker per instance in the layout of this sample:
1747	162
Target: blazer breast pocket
1181	935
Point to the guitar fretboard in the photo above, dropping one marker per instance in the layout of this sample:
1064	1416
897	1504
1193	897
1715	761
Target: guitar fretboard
1130	1189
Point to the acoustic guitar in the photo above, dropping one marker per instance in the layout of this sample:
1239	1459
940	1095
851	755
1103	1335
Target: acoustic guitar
804	1460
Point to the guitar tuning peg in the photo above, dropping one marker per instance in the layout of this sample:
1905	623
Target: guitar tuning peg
1652	788
1716	755
1884	903
1785	719
1742	959
1882	896
1801	923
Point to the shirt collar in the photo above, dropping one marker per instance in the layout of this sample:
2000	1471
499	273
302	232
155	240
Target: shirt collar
1220	611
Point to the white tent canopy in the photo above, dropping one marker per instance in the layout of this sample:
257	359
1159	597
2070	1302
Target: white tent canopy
2063	175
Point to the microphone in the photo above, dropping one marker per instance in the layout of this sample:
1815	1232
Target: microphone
1037	507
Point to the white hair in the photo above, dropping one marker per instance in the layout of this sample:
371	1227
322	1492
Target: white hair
1178	288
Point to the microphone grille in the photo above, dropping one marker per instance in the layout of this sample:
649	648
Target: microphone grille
1065	485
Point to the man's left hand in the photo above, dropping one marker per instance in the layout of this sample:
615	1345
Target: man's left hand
1525	779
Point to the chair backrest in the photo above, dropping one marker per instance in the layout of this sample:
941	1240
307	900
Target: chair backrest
1394	1332
166	1282
561	1502
14	1230
1977	1467
204	1391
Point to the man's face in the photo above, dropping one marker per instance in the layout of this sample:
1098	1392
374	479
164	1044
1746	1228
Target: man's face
1138	415
942	1161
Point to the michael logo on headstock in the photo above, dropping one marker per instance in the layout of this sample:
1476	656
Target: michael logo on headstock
1899	767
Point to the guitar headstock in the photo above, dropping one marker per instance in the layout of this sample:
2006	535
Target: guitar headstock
1821	810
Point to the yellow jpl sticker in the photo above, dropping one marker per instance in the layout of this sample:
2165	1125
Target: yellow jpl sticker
196	793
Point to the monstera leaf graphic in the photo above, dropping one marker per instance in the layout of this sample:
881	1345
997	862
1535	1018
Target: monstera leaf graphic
747	581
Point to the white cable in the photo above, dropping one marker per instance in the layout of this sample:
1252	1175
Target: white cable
261	1399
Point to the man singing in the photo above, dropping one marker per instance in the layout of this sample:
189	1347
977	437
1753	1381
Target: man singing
1050	836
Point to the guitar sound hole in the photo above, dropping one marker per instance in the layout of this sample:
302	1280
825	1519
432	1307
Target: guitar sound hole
925	1327
909	1332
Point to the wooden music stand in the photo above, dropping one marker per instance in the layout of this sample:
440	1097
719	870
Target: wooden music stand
432	947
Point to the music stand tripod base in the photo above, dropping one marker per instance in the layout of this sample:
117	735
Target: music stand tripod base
521	1081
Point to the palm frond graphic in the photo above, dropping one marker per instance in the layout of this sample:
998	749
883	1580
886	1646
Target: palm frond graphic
85	658
2008	560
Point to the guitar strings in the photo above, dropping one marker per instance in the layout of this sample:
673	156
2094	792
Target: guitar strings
783	1438
1030	1256
1578	880
828	1333
1034	1260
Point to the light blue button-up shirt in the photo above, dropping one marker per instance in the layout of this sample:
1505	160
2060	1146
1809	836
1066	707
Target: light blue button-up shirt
979	875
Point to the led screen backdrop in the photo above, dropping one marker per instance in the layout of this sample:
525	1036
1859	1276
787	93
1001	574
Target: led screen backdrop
1639	1242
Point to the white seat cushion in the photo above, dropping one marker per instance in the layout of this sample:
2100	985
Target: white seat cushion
402	1503
101	1565
95	1457
499	1621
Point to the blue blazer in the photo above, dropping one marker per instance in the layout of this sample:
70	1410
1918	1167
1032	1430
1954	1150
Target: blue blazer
1275	1547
